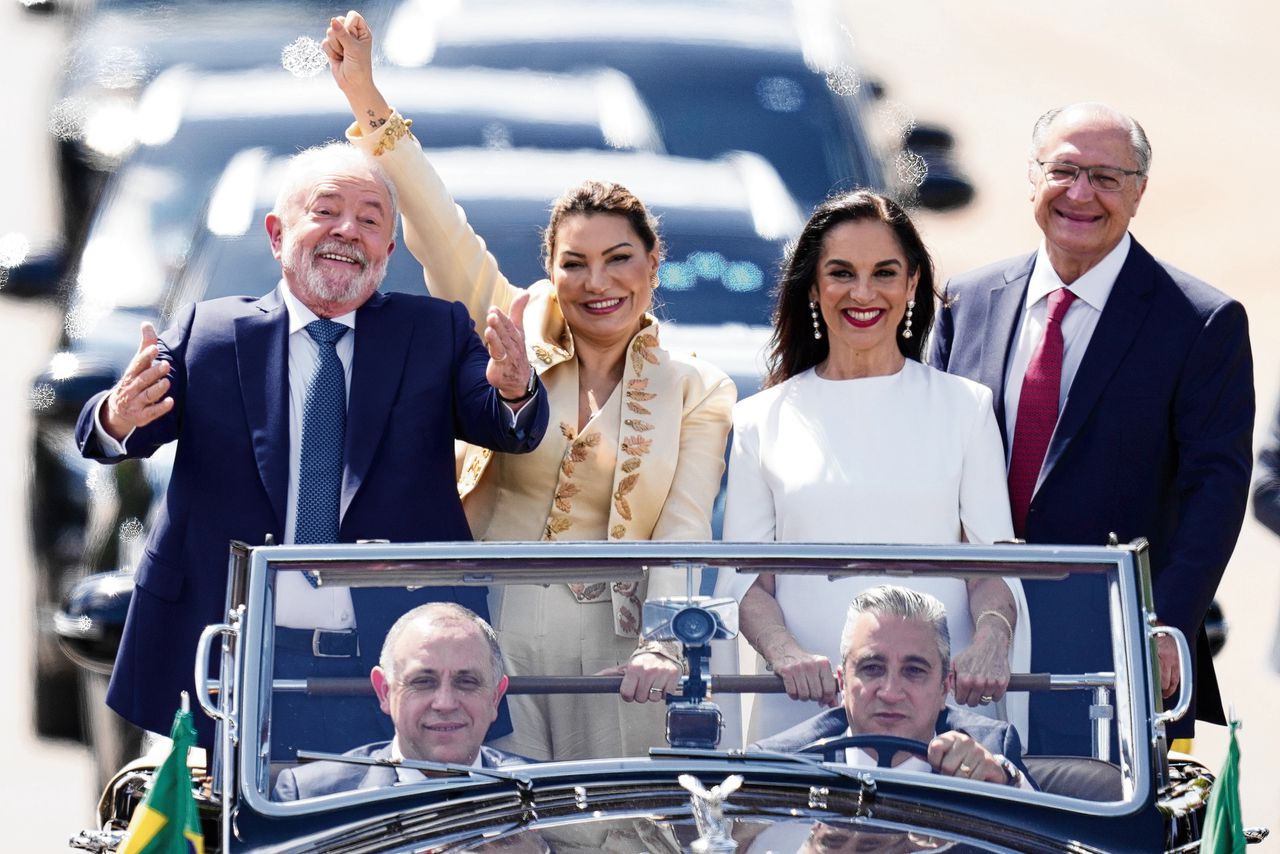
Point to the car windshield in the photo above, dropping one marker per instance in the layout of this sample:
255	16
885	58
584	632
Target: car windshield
293	723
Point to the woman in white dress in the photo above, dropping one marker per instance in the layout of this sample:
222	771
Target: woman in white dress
855	440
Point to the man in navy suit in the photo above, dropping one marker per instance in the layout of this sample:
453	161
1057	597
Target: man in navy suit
895	675
1142	379
440	678
233	381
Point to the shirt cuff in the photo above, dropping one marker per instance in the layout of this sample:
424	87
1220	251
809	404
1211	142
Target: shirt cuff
110	446
514	418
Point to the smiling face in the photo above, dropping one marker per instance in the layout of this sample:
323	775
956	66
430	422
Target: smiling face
1082	224
862	287
333	240
893	678
604	278
443	693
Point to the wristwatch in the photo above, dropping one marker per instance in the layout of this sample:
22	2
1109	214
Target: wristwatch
528	390
1011	771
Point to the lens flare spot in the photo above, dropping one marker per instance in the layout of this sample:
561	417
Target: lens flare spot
303	57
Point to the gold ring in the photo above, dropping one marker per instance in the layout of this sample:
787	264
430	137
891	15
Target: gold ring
496	359
966	770
657	691
986	698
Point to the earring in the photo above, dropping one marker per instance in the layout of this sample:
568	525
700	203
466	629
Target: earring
906	328
813	312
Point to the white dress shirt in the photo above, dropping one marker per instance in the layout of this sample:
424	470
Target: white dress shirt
1091	290
415	775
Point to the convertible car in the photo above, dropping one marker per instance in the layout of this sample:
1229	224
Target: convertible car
705	791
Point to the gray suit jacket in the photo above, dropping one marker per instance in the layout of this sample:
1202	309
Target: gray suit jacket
326	778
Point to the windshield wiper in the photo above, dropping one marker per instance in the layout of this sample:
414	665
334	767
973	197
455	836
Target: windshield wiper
441	769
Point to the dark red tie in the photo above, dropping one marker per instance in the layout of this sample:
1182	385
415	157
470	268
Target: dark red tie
1037	411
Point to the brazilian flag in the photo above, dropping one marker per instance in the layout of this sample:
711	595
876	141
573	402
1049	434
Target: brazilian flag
1223	826
167	821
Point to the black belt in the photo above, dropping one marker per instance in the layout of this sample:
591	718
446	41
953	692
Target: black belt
322	643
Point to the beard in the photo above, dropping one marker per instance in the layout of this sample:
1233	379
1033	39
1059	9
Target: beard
331	286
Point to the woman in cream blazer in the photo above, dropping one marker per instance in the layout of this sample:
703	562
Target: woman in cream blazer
636	446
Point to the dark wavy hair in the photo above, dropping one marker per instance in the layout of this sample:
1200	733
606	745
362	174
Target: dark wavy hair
793	349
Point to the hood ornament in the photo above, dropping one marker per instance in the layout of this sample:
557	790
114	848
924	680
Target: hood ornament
708	813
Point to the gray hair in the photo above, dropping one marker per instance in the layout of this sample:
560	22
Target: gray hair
311	164
890	600
439	613
1137	136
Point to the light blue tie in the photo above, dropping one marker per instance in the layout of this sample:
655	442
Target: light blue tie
324	426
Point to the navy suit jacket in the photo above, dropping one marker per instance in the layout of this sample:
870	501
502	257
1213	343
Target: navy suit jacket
996	736
417	382
326	778
1155	441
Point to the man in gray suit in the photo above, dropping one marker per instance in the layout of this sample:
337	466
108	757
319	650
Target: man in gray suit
440	678
895	674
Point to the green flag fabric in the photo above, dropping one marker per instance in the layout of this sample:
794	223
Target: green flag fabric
167	822
1224	824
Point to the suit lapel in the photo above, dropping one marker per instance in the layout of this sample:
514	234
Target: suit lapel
1117	328
382	344
1003	310
262	362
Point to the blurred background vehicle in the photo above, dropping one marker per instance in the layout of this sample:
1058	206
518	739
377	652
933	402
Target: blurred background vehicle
775	78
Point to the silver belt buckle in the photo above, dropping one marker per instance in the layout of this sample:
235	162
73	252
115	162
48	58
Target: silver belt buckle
317	650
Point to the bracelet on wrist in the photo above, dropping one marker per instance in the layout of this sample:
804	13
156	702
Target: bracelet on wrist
1001	617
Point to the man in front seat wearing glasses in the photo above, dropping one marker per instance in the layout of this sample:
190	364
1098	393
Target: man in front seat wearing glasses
1124	391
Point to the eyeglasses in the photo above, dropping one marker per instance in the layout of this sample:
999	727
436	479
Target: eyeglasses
1107	179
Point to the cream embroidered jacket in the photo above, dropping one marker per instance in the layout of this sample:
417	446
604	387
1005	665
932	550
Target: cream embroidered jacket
646	466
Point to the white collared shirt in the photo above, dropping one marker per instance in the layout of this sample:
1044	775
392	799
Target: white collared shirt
413	775
298	604
1092	290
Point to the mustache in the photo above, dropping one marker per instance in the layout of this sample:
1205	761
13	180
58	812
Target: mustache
337	247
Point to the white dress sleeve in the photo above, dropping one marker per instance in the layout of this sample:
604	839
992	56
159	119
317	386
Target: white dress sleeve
984	489
749	514
985	518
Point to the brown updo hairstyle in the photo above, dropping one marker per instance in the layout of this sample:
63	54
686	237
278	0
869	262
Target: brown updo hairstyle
600	197
793	349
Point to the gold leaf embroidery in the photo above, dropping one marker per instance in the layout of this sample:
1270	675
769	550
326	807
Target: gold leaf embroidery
637	424
624	509
627	484
625	588
541	353
567	467
641	395
636	388
588	592
578	452
559	524
591	440
627	622
630	465
637	408
636	445
618	532
646	340
564	497
566	429
395	130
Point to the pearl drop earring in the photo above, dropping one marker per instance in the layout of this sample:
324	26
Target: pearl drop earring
817	328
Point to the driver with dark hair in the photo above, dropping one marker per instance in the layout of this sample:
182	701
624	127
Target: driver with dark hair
895	675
